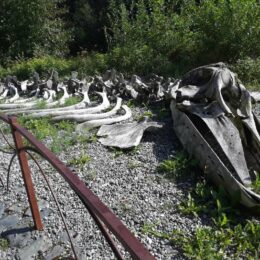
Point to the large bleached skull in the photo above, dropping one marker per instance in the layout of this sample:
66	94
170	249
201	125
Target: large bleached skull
213	118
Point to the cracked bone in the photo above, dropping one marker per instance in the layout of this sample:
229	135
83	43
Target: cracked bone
106	121
125	135
87	116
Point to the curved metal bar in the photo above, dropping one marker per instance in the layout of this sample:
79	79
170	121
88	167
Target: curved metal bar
11	146
95	218
26	148
92	202
3	185
4	151
9	170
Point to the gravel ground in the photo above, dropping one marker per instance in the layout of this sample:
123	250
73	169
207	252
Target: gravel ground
126	182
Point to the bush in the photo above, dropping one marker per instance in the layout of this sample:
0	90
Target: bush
248	71
171	37
89	65
32	28
24	69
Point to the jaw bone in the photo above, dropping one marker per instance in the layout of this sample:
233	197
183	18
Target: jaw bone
87	117
105	121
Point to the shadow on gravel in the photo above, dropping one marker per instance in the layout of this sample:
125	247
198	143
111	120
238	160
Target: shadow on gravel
17	231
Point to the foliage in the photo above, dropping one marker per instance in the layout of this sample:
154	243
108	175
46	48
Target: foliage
31	28
87	19
256	184
4	244
88	65
41	104
230	235
80	160
44	129
177	166
24	69
248	71
71	101
170	37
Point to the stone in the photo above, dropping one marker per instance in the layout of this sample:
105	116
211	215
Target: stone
55	252
8	222
29	252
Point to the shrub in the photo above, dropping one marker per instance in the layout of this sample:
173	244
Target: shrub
170	37
248	71
32	28
23	69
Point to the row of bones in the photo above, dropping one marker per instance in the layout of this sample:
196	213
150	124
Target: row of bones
23	98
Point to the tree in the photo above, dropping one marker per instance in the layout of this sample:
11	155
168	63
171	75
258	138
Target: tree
87	19
31	27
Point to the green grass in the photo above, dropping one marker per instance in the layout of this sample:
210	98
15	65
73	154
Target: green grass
41	104
177	166
71	101
80	161
4	244
118	151
256	184
43	128
229	235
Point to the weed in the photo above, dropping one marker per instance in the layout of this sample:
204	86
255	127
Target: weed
179	165
80	161
4	244
41	104
91	175
43	128
132	103
163	113
146	114
132	164
227	237
118	152
71	101
256	184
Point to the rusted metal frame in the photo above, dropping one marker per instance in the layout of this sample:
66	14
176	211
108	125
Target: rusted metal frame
26	173
95	218
105	233
27	149
114	224
9	170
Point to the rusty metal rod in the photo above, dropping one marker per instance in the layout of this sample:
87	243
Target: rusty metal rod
53	196
26	173
105	233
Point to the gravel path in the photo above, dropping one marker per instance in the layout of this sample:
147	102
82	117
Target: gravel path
126	182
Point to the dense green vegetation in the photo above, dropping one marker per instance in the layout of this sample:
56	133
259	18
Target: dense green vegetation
143	37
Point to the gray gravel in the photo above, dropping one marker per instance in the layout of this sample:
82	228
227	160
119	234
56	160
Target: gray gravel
126	182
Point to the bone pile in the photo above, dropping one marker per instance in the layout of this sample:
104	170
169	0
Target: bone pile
24	97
